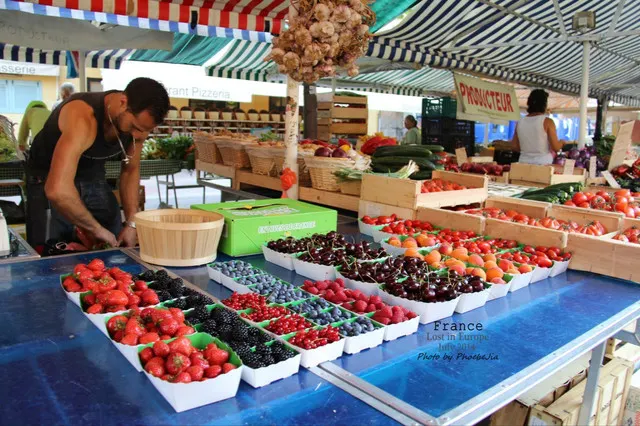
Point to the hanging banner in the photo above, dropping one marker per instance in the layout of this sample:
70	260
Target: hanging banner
480	98
27	68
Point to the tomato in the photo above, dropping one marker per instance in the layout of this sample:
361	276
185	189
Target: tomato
542	249
604	194
621	237
570	203
590	196
544	262
584	205
368	220
597	202
529	249
621	207
579	197
630	212
622	193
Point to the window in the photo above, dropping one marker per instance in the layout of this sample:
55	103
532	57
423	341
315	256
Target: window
15	95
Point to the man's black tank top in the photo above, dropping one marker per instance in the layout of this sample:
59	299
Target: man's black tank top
91	164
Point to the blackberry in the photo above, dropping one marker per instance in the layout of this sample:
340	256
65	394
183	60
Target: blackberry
194	300
158	285
280	352
268	360
240	332
263	350
224	331
242	351
179	303
253	360
207	300
239	346
163	296
178	281
264	338
176	289
210	327
201	313
161	274
189	292
147	276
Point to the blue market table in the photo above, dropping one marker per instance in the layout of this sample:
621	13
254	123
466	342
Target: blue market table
58	368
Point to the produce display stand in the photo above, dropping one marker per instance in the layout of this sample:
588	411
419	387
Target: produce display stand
341	115
56	358
534	175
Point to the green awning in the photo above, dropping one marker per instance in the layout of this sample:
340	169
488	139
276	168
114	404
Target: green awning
187	49
387	10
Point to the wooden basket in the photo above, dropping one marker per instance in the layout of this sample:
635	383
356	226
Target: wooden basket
321	170
351	187
234	154
208	151
262	161
304	178
178	237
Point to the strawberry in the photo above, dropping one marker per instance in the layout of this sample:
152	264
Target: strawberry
96	265
70	282
125	288
196	372
145	355
161	349
218	357
84	274
211	347
168	326
197	359
176	363
90	299
79	267
212	372
168	378
149	297
116	323
148	338
88	284
156	370
133	300
116	297
177	314
96	274
228	367
181	345
129	339
140	285
155	360
184	331
116	308
147	314
95	309
183	377
118	335
134	327
165	337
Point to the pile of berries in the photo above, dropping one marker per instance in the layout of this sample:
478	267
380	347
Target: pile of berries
264	356
331	316
237	268
360	326
393	315
264	313
191	301
240	302
288	324
180	362
311	307
227	326
94	276
166	287
147	326
311	339
322	288
363	303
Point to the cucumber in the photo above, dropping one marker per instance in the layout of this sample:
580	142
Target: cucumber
385	169
402	151
421	175
423	163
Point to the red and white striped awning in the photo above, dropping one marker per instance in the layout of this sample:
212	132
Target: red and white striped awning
252	15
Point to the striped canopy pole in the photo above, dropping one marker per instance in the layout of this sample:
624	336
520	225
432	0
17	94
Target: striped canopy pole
291	130
584	94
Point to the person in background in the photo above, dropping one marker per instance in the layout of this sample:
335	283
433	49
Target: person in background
35	115
66	90
412	137
535	137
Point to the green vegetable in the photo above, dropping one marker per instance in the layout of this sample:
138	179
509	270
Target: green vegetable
434	148
423	163
402	151
421	175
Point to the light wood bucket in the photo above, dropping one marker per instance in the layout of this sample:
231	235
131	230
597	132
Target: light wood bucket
178	237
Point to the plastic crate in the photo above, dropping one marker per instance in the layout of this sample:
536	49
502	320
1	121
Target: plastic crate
451	142
439	107
506	157
448	126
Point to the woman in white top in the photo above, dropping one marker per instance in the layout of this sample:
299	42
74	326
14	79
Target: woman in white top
536	135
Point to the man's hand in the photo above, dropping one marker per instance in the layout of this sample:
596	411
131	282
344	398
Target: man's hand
104	235
128	237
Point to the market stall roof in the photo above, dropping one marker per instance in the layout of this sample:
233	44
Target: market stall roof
245	19
528	42
95	59
187	49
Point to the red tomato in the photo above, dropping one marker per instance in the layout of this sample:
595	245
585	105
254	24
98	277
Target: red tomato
579	197
630	212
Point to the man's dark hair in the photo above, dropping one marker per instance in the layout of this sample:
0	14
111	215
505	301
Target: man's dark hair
537	101
146	94
412	119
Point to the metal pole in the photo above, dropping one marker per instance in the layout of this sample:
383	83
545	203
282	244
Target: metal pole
334	84
486	134
597	354
584	94
82	72
291	124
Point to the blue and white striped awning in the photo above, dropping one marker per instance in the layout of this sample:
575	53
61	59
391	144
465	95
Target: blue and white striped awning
244	60
111	59
502	39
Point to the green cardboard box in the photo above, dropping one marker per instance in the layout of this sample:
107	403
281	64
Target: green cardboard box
250	224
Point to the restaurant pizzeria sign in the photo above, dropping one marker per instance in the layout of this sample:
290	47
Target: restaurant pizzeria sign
480	98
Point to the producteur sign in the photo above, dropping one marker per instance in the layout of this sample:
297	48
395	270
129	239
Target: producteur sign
481	98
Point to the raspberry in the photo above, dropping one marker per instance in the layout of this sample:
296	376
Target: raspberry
371	308
411	315
313	290
322	285
375	300
396	310
386	312
360	306
340	282
397	318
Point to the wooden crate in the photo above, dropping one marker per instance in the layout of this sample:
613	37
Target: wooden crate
536	209
341	115
617	347
612	221
373	209
499	179
606	406
604	256
480	159
528	174
525	234
452	220
407	193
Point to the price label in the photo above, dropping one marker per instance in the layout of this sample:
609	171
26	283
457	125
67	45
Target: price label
461	156
610	179
593	168
569	165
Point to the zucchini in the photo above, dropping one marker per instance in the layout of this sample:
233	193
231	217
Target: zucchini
385	169
434	148
402	151
421	175
423	163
